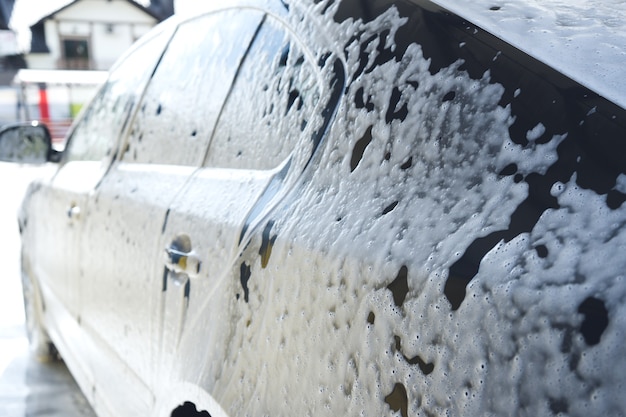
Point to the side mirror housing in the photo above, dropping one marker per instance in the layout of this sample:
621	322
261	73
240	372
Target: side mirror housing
27	143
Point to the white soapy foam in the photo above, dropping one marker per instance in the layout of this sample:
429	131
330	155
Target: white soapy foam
536	132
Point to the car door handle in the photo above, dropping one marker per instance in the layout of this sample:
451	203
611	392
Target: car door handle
73	211
182	262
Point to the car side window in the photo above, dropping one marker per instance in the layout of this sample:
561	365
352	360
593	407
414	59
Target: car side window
96	133
183	100
272	101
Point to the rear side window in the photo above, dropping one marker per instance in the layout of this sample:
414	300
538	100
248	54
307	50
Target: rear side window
272	101
96	134
183	100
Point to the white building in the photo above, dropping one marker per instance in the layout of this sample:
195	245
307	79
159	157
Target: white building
88	34
8	43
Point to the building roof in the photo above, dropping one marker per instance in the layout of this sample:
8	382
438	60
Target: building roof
162	8
131	2
38	40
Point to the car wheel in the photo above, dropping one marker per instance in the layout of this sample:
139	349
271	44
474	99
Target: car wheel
40	344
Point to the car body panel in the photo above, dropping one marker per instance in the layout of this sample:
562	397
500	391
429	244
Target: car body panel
122	296
209	213
118	291
225	202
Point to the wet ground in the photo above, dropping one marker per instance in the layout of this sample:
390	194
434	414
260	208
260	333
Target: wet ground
32	389
27	388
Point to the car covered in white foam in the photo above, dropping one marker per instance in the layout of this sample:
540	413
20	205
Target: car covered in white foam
286	207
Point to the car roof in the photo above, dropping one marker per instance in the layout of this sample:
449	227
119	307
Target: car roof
585	40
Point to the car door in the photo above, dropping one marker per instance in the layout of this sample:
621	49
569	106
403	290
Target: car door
166	143
271	124
59	223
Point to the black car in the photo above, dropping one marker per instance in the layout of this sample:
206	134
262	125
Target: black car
338	208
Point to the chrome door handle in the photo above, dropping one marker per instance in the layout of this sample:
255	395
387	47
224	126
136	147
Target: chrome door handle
179	262
73	212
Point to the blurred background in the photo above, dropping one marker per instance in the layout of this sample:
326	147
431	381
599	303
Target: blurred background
55	53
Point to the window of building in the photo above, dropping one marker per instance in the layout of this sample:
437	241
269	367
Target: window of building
76	53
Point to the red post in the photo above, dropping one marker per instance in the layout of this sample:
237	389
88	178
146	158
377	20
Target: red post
44	111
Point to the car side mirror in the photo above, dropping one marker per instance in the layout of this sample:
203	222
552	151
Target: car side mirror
27	143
